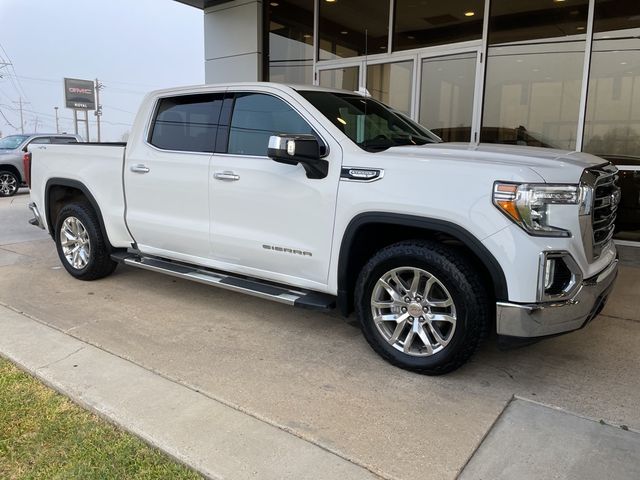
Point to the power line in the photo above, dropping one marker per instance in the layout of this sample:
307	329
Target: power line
52	80
7	120
19	88
21	103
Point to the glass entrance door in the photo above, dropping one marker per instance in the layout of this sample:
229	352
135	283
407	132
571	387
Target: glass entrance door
346	78
447	89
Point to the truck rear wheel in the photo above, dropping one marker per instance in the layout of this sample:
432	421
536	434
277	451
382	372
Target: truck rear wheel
83	250
422	306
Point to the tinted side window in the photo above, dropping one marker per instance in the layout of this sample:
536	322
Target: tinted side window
64	140
40	140
256	117
187	123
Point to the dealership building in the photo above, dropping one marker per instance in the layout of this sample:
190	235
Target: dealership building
546	73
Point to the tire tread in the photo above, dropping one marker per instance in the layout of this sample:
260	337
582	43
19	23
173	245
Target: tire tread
100	263
463	273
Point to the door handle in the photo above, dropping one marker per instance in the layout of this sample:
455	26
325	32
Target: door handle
140	168
226	175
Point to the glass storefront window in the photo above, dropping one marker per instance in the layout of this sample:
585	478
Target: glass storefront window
426	23
343	78
290	38
391	84
612	124
446	96
515	21
532	94
616	15
535	64
342	27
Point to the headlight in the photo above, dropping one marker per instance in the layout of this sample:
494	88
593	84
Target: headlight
527	204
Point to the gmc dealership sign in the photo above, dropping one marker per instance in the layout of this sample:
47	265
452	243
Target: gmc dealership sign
79	94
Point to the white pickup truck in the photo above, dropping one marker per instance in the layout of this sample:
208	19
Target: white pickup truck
321	198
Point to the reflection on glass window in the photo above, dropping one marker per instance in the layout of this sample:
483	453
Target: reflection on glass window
290	41
534	72
433	22
514	21
342	78
391	84
256	117
613	104
616	15
446	96
532	94
187	122
342	27
612	125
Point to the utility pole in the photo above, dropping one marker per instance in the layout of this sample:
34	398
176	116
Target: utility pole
98	112
35	125
21	104
57	125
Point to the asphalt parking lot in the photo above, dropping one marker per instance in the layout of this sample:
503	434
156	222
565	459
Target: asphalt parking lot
313	374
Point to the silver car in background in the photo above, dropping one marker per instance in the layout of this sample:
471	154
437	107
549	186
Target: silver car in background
12	150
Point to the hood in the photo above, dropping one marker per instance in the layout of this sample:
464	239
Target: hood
6	151
554	166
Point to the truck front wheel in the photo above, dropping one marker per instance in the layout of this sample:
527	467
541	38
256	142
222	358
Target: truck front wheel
82	248
9	183
422	306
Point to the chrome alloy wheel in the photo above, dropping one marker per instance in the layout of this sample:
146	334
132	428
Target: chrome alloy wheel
74	240
413	311
8	184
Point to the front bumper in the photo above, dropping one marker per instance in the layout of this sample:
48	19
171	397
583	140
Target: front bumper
37	218
528	321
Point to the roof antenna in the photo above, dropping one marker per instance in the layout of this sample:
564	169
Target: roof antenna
363	90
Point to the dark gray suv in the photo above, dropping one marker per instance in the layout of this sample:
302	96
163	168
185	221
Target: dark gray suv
12	150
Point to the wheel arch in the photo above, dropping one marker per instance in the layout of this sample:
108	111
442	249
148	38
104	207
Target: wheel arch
59	189
13	169
356	247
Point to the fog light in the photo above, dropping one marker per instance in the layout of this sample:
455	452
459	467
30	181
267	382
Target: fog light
559	276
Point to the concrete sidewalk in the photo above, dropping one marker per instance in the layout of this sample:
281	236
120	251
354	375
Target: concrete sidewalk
532	441
215	439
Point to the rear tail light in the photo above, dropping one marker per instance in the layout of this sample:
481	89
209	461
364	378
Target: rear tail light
26	161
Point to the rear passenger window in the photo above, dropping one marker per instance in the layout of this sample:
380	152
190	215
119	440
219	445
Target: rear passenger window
64	140
187	123
256	117
40	140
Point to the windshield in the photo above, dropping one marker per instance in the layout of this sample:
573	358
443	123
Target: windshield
368	123
12	141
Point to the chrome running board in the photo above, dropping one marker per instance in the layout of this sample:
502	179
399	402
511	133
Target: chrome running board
258	288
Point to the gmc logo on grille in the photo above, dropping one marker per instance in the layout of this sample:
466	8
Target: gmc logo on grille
615	197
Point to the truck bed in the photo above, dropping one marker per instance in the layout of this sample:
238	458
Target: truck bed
94	167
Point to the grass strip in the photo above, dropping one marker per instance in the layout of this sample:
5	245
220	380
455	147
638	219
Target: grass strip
44	435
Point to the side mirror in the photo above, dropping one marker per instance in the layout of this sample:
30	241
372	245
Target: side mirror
299	149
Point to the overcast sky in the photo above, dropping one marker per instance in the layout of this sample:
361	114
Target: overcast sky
132	46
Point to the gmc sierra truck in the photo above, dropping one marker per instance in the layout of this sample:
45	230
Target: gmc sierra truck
326	199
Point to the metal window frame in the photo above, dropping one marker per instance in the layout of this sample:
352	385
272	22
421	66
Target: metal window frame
586	70
418	55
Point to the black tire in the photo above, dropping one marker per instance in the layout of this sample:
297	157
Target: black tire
99	263
9	183
465	288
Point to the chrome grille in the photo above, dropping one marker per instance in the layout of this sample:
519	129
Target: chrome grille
603	182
